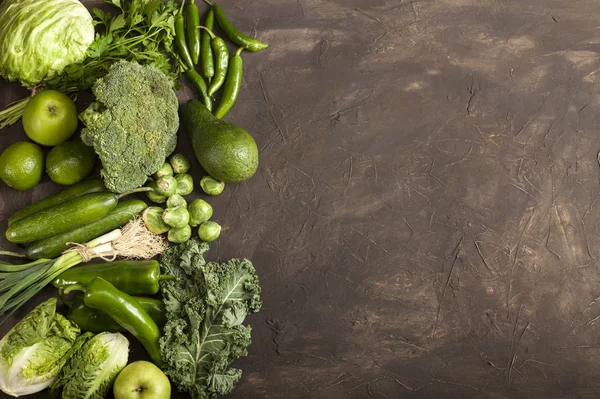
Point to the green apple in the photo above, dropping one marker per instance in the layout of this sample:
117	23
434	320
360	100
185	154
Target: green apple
50	118
142	380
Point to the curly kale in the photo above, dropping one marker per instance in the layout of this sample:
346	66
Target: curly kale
206	307
132	125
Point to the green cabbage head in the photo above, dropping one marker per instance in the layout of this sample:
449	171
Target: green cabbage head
39	38
35	349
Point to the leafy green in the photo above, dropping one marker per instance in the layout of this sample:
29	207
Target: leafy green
206	307
35	349
31	51
92	369
142	31
132	125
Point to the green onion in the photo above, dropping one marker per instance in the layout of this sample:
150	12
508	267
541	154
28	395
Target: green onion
19	283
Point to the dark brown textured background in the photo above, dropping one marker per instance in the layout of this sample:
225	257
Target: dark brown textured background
424	219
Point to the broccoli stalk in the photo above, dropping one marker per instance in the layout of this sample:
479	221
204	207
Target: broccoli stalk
132	125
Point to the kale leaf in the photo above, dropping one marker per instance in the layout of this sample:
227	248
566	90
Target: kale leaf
206	307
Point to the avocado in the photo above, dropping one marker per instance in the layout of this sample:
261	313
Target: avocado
226	151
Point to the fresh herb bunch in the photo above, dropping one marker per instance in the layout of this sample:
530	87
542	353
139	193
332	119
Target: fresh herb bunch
142	31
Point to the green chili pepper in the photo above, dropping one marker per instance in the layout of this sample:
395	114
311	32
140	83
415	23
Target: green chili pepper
235	35
125	310
132	277
96	321
192	20
232	85
180	43
208	68
200	86
222	60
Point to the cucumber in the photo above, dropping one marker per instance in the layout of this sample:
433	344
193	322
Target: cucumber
62	217
52	247
88	186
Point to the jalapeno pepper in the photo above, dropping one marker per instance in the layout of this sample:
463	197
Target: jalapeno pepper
96	321
192	20
200	86
232	85
132	277
222	61
206	55
180	42
125	310
235	35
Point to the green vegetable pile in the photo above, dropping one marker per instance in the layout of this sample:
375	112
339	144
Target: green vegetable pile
178	218
142	31
187	313
132	125
206	306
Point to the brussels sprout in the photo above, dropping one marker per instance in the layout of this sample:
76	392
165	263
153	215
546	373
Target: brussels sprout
176	200
153	195
180	163
166	185
176	217
165	170
180	235
185	184
152	217
209	231
212	186
200	211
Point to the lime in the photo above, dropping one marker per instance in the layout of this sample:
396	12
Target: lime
22	165
70	162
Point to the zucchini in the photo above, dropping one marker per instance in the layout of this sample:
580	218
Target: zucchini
62	217
52	247
88	186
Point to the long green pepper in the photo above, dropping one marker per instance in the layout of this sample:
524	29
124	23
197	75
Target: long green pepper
124	309
180	41
234	34
134	277
207	61
232	84
96	321
221	61
192	20
200	86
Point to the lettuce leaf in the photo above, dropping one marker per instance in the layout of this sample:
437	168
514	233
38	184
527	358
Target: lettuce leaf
206	307
92	369
35	349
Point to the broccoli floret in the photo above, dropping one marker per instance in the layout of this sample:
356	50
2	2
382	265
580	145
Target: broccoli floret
132	125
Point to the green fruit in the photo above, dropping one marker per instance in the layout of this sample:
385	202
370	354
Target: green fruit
22	165
70	162
226	151
50	118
